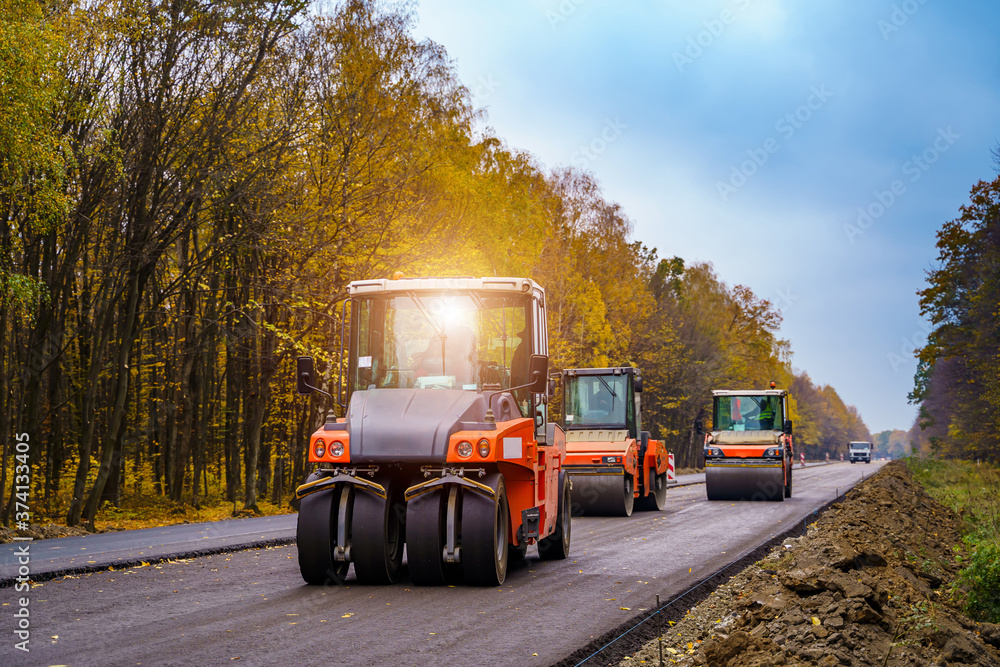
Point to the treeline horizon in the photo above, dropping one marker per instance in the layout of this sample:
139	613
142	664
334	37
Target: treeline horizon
189	187
957	383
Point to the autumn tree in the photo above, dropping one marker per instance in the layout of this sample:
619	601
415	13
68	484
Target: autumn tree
957	384
188	188
34	162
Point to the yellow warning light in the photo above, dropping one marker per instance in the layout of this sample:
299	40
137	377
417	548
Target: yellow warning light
773	385
398	275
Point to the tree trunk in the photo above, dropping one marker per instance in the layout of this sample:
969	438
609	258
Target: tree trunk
254	420
231	440
90	350
6	373
126	338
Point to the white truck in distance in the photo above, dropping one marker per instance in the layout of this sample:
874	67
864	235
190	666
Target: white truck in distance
860	451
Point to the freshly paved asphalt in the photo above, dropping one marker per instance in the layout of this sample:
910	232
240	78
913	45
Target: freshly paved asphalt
251	606
75	555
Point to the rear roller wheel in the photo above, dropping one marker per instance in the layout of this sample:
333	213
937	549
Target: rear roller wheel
425	539
629	495
316	536
485	534
377	544
556	545
604	495
712	486
744	483
656	499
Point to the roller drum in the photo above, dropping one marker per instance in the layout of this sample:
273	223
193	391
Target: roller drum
656	498
744	482
603	494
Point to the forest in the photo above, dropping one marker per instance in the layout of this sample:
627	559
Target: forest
957	385
188	187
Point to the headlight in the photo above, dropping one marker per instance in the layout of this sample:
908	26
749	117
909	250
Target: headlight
337	449
773	451
713	451
464	449
319	449
484	448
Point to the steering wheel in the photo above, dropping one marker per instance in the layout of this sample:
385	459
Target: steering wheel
491	372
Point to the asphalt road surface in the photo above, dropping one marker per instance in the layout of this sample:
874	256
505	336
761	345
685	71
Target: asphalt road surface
74	555
251	607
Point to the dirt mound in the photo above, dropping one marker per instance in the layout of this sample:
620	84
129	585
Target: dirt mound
867	585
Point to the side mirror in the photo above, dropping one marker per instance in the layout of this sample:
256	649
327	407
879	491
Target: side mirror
788	426
304	375
552	387
538	373
637	386
699	427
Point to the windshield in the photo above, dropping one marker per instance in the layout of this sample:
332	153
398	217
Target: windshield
597	400
747	413
440	342
860	445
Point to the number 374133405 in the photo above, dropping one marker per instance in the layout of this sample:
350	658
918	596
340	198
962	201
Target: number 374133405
22	474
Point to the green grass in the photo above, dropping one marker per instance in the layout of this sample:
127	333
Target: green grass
974	493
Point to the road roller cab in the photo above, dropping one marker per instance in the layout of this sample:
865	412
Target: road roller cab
748	452
613	463
445	445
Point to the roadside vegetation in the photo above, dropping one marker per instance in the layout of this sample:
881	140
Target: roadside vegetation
973	491
957	384
955	439
149	511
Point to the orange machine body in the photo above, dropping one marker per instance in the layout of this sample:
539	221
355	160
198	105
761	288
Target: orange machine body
445	446
612	461
530	468
748	452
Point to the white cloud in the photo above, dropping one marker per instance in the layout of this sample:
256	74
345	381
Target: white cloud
764	19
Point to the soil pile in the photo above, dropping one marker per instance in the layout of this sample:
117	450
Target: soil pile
867	585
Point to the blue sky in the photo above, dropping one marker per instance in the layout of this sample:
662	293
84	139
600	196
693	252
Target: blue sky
809	150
